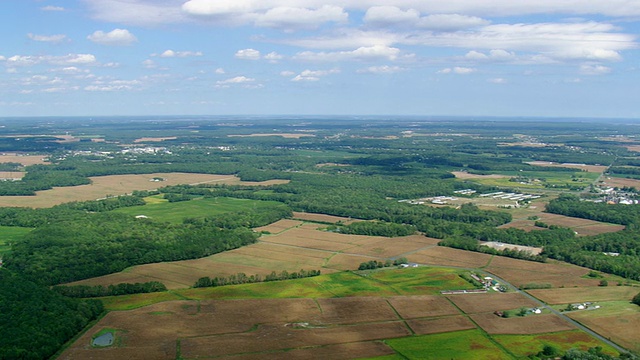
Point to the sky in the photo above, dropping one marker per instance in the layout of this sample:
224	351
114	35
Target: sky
547	58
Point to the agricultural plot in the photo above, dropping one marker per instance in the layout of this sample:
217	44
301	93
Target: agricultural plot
620	182
584	167
25	160
163	210
490	302
524	345
533	324
553	273
584	294
444	256
323	218
102	186
619	320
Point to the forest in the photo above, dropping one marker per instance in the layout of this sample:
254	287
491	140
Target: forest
362	168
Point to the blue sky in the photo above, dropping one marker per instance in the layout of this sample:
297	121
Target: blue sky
375	57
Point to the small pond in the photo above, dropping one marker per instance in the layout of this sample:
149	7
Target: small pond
105	339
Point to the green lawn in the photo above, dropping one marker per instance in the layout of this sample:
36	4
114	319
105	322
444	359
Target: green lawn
421	280
162	210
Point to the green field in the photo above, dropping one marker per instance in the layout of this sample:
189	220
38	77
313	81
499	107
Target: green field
454	345
541	180
388	282
9	234
525	345
160	209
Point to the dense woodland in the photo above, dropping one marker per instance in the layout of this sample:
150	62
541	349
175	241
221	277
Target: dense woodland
359	168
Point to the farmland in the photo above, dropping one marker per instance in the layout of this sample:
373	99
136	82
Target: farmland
208	192
271	318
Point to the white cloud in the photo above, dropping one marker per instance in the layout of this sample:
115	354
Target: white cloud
294	18
384	69
149	64
498	80
2	58
287	73
248	54
392	16
588	69
314	75
48	38
181	54
273	57
220	71
361	53
238	80
116	37
52	8
457	70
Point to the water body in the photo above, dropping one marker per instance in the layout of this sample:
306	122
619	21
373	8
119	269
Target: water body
105	339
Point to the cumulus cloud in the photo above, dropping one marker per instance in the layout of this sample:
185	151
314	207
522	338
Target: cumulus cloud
70	59
596	69
248	54
116	37
181	54
243	81
314	75
273	57
48	38
361	53
457	70
292	18
392	16
383	69
220	71
52	8
498	80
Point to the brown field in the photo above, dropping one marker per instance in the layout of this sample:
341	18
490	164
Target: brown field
284	135
323	218
249	327
154	139
578	295
440	325
22	159
370	349
444	256
502	246
11	174
532	324
525	144
466	175
490	302
420	306
555	273
279	226
635	148
583	227
102	186
588	168
620	182
621	327
261	258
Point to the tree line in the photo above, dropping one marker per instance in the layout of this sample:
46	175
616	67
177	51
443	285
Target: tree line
242	278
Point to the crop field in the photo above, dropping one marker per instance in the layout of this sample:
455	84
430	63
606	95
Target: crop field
153	139
323	218
453	345
25	160
532	324
279	226
163	210
583	227
583	294
588	168
554	273
490	302
524	345
620	182
444	256
312	316
619	320
102	186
